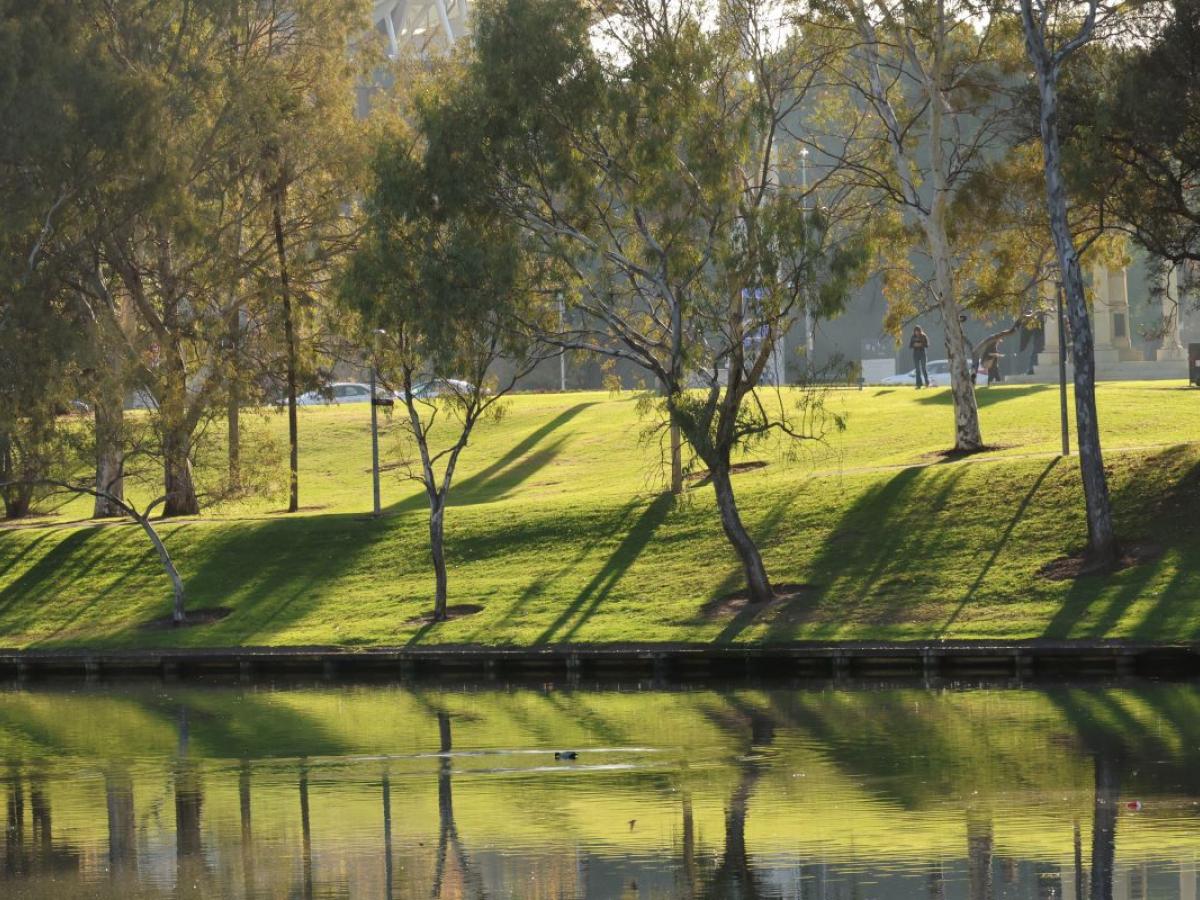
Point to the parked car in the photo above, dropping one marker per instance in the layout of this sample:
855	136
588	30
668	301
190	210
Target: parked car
441	387
341	392
939	375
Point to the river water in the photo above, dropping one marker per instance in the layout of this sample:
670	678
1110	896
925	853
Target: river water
147	790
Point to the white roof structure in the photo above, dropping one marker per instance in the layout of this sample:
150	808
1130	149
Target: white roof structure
423	27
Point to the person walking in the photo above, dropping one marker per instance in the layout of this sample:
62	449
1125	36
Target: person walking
992	358
919	344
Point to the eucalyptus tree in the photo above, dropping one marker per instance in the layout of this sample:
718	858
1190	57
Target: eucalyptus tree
642	150
187	228
1054	32
447	292
41	351
920	112
312	158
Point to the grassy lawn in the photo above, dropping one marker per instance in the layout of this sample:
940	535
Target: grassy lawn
560	532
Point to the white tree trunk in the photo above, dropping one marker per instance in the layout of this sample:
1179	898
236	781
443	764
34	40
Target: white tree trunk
177	611
1102	543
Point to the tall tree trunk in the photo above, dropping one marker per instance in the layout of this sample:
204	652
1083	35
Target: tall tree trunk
757	582
178	485
110	456
17	497
1102	542
289	331
967	434
437	513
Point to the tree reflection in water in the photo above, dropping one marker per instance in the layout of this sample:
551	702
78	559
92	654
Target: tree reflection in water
450	846
1104	826
189	801
754	730
247	827
976	779
388	876
306	861
122	825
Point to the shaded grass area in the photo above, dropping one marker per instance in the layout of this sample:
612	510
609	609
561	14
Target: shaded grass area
559	532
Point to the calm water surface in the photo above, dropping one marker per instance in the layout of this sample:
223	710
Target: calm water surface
145	791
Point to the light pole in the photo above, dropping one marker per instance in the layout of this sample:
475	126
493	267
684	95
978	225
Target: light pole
562	354
1062	367
809	337
377	509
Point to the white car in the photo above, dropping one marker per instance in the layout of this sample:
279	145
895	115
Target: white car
339	392
440	387
939	375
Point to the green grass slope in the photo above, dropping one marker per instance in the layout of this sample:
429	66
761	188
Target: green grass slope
559	530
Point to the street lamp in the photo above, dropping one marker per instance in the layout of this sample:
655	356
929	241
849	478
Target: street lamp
809	325
377	508
562	353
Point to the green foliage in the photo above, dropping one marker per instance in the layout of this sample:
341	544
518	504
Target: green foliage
1136	114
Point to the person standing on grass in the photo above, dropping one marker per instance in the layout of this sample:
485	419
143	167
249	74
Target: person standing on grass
919	344
993	363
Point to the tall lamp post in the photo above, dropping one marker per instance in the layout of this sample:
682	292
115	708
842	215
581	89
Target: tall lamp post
1062	367
809	329
562	354
377	508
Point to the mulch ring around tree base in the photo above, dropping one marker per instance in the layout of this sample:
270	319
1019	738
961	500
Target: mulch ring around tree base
205	616
732	604
461	611
704	477
1068	568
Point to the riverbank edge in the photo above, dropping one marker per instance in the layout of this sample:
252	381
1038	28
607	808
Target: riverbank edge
818	660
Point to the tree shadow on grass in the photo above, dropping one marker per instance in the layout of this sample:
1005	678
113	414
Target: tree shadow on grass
1001	543
583	607
986	396
49	579
274	574
29	547
1156	501
871	564
502	476
543	582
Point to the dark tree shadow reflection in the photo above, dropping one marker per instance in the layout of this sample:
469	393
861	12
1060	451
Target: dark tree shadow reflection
450	847
754	728
1104	825
122	824
189	802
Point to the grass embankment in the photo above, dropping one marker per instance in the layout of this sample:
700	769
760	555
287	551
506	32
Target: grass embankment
559	531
